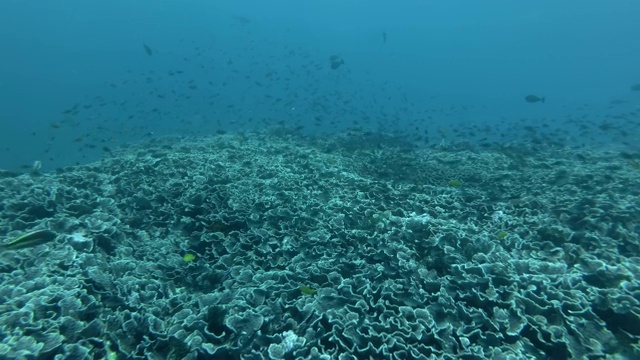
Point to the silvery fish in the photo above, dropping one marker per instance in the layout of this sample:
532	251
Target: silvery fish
30	239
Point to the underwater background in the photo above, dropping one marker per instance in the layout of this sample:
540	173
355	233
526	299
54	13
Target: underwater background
319	180
77	75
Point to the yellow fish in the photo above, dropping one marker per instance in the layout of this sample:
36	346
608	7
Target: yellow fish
188	257
307	290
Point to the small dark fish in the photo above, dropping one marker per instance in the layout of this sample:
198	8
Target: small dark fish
533	99
335	61
635	87
147	49
29	239
618	102
384	37
227	275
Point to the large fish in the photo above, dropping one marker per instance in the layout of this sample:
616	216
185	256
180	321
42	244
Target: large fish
30	239
533	99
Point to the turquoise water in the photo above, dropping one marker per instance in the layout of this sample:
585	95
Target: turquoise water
251	66
319	180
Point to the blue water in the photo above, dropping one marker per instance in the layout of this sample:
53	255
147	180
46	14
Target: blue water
444	65
188	241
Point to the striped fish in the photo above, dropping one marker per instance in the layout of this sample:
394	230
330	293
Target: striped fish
30	239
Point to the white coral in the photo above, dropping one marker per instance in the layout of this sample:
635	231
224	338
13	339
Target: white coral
290	340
